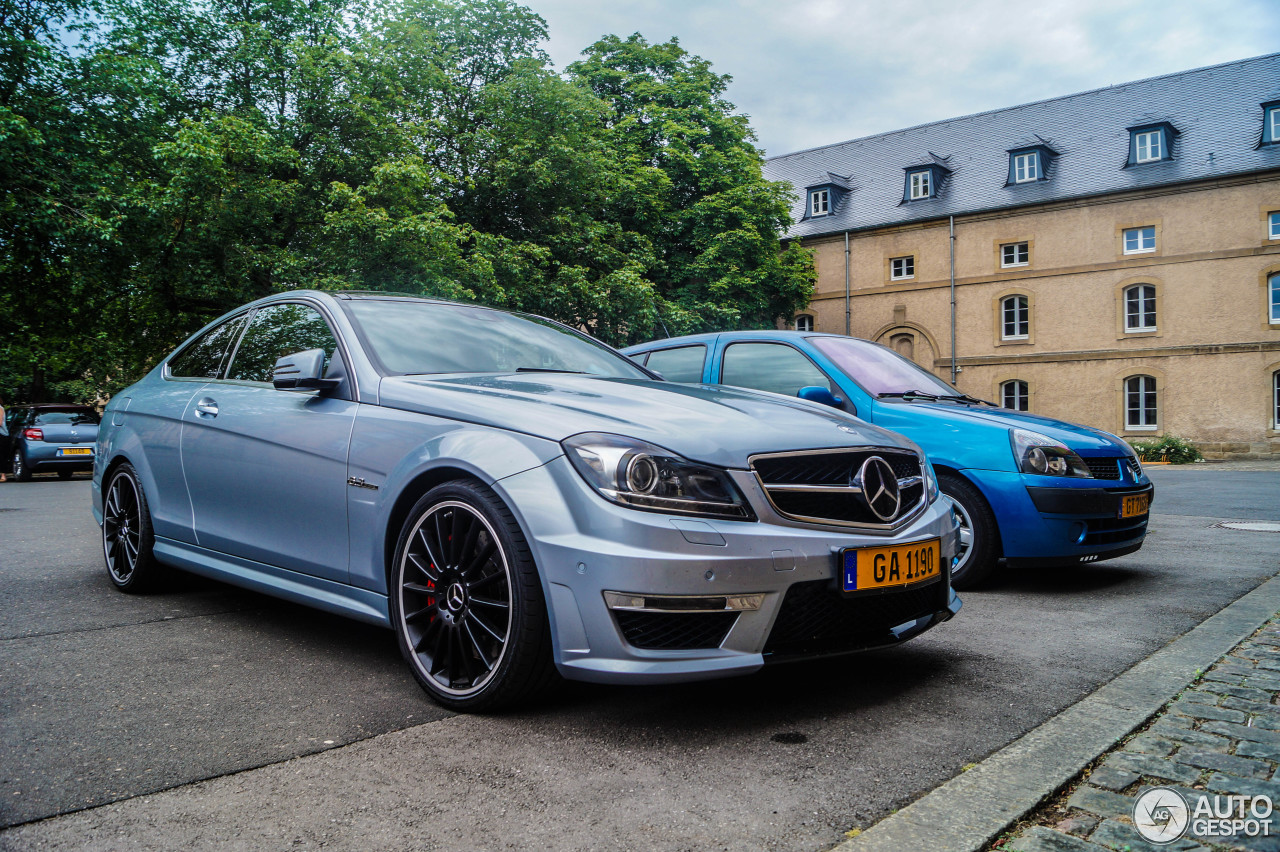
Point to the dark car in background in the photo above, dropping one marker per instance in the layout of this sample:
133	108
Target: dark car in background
53	437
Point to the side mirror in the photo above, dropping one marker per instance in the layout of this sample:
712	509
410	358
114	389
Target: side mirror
302	371
817	393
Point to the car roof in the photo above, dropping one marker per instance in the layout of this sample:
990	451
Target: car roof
708	337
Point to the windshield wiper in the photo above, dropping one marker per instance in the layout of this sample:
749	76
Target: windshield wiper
918	394
910	394
546	370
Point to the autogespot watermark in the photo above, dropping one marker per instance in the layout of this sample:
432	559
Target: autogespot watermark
1163	815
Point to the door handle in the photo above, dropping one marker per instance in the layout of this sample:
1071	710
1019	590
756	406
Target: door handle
207	406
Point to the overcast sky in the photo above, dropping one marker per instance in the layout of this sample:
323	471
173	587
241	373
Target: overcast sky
813	72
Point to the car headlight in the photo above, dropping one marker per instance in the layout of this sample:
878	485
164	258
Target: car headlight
1045	456
641	475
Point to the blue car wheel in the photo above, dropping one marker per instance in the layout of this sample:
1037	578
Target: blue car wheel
978	549
21	472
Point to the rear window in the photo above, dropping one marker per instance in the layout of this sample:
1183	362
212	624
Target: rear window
74	416
682	364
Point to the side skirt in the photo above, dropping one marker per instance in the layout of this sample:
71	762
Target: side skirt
338	598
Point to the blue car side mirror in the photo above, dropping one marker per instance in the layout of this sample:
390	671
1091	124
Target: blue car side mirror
817	393
302	371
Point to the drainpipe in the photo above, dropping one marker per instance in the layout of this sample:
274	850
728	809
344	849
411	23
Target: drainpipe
953	300
847	314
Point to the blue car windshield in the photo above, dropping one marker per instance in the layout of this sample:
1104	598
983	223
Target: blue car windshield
880	370
417	338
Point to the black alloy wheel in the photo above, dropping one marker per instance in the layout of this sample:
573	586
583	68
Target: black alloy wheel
467	603
21	472
127	538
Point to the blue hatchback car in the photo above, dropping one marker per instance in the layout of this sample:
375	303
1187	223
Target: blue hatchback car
1030	489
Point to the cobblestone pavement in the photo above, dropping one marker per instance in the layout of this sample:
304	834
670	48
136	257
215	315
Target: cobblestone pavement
1220	736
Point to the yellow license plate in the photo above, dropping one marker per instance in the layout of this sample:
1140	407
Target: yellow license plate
1135	505
77	451
886	567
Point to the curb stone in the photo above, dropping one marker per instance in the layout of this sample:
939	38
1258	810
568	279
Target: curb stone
972	809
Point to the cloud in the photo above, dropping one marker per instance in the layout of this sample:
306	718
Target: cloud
813	72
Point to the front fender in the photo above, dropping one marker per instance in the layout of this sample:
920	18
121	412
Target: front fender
397	456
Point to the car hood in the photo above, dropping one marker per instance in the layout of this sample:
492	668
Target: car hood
716	425
1082	439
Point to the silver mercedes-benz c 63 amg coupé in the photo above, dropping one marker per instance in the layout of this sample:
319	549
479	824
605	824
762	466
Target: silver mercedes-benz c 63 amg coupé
515	499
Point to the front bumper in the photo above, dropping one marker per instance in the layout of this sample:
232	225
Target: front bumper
586	546
1051	521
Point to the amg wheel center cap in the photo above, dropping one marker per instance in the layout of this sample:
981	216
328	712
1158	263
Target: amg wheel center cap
455	597
879	487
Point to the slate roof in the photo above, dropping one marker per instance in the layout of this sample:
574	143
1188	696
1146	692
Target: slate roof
1216	112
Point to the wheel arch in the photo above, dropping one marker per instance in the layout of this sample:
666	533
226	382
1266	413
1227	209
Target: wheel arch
948	470
404	502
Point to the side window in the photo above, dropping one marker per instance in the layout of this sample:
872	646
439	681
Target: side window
682	364
206	355
773	367
276	331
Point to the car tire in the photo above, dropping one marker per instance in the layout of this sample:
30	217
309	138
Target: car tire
466	601
127	537
979	546
66	474
21	470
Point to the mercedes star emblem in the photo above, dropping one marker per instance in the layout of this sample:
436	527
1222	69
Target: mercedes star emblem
879	486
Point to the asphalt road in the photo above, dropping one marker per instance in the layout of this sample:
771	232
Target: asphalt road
108	698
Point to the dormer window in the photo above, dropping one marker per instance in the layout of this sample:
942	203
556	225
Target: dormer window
1030	163
1271	123
925	181
1026	167
819	202
824	195
1150	143
921	184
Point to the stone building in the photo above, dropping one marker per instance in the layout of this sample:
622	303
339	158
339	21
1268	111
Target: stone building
1110	257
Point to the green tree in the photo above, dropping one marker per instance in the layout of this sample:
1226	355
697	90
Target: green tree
183	158
695	188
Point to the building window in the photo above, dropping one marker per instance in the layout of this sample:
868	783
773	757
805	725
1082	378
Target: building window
1015	313
1139	240
1015	254
1151	143
804	322
1273	292
1140	409
902	267
1140	308
1147	146
1026	167
921	184
819	202
1273	225
1275	400
1015	395
1271	123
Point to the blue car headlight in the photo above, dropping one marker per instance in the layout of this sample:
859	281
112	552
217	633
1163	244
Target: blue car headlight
1044	456
641	475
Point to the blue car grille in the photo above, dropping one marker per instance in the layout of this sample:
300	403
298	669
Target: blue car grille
816	619
669	631
1114	530
1104	468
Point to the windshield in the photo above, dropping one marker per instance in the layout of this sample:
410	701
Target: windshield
879	369
415	338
